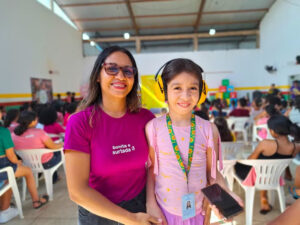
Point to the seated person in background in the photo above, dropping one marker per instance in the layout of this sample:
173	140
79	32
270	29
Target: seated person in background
280	148
256	107
11	119
270	111
9	158
225	133
269	100
71	108
241	109
283	107
217	108
294	112
48	118
26	136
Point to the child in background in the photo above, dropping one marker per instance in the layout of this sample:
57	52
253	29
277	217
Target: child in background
184	150
48	117
26	136
11	119
225	133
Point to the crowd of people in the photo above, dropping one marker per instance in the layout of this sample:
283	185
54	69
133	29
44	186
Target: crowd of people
31	127
136	168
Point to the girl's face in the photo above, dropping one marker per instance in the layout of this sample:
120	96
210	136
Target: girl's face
117	85
183	93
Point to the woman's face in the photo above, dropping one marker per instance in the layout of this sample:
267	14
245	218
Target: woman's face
119	85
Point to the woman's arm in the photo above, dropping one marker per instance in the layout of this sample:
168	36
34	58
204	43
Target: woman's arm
77	173
10	154
51	145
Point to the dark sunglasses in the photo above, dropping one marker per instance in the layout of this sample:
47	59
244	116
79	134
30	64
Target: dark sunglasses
113	69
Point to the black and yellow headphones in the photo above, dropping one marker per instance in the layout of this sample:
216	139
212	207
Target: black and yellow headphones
159	87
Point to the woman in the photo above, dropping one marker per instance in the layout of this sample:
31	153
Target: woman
107	139
279	148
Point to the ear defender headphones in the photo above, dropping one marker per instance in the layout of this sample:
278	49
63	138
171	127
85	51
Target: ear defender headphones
159	86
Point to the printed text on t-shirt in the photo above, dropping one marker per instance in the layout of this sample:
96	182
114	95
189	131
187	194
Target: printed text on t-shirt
120	149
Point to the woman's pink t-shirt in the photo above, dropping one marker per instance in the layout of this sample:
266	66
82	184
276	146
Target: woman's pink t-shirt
33	138
117	147
170	182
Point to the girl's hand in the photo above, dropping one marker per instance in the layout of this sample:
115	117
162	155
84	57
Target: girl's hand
145	219
154	210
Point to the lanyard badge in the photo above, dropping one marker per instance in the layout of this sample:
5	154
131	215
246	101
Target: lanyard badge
188	200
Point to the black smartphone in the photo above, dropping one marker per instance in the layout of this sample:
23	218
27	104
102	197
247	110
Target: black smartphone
226	204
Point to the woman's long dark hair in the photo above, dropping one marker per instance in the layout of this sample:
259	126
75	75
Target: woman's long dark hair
224	131
94	96
283	126
11	115
25	119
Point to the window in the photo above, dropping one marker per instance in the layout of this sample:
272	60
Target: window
57	10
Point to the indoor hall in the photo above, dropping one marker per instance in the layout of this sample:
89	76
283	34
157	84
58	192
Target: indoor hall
249	55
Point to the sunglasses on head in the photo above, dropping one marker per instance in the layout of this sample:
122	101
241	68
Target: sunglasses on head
113	69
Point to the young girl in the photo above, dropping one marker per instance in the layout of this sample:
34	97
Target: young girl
48	117
9	158
183	150
26	136
280	148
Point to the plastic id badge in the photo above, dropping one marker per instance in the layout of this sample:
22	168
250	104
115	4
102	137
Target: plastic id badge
188	206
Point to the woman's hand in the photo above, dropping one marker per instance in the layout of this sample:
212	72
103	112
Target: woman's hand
154	210
145	219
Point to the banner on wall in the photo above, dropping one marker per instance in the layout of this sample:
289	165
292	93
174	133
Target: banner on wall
41	90
149	100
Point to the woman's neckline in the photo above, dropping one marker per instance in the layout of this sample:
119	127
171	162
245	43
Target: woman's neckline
112	116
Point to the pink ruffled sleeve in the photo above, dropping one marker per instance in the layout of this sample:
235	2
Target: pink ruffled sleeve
214	154
151	134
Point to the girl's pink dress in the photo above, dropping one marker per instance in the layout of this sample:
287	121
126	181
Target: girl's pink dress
170	182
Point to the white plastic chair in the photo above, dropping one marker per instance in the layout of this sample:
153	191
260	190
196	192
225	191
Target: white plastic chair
13	185
229	152
32	159
256	128
268	173
240	124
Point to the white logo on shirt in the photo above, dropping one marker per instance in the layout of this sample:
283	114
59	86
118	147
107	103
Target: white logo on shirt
121	149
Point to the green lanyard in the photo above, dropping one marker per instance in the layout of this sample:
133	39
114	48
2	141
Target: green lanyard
176	148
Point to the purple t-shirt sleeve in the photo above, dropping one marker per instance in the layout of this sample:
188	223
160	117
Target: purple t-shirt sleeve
77	133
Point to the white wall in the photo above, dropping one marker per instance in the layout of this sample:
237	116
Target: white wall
33	41
280	39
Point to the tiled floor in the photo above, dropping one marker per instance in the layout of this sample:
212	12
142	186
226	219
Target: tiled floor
61	211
